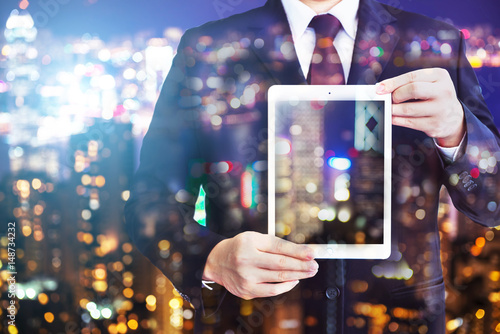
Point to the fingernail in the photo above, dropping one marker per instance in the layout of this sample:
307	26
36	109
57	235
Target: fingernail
314	266
312	273
380	89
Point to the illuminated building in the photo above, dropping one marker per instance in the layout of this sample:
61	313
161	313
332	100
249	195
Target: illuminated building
367	175
21	74
158	57
101	171
4	156
295	177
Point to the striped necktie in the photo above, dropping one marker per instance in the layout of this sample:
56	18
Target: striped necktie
326	68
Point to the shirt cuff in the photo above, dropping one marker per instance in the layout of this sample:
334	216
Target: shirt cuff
206	284
450	154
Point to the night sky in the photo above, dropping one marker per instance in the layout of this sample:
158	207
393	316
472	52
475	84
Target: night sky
115	18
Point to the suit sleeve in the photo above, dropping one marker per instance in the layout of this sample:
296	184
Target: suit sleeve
159	213
473	180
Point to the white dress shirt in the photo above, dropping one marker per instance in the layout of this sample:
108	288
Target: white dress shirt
299	16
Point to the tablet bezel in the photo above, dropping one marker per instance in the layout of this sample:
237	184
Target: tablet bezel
279	93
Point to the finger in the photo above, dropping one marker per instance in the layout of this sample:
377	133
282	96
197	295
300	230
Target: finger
283	262
413	109
279	276
273	289
277	245
415	91
426	75
416	123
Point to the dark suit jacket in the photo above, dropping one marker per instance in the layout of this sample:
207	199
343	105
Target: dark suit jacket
195	126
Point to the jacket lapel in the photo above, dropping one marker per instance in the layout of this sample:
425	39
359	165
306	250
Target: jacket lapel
376	39
273	45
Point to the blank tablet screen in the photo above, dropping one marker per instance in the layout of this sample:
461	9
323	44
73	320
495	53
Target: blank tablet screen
331	175
329	171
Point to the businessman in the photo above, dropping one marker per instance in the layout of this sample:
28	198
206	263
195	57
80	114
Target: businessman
209	132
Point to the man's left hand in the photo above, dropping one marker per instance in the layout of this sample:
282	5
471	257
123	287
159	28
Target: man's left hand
425	100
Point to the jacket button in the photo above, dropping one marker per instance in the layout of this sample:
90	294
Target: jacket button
332	293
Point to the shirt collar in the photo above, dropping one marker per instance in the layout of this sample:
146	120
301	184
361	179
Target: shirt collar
300	15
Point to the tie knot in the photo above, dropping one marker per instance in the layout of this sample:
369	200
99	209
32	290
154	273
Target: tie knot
325	25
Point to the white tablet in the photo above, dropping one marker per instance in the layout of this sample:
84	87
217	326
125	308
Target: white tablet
329	180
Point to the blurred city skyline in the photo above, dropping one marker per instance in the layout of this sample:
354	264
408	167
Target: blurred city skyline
108	19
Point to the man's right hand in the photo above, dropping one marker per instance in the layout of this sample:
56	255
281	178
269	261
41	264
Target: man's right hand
252	265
